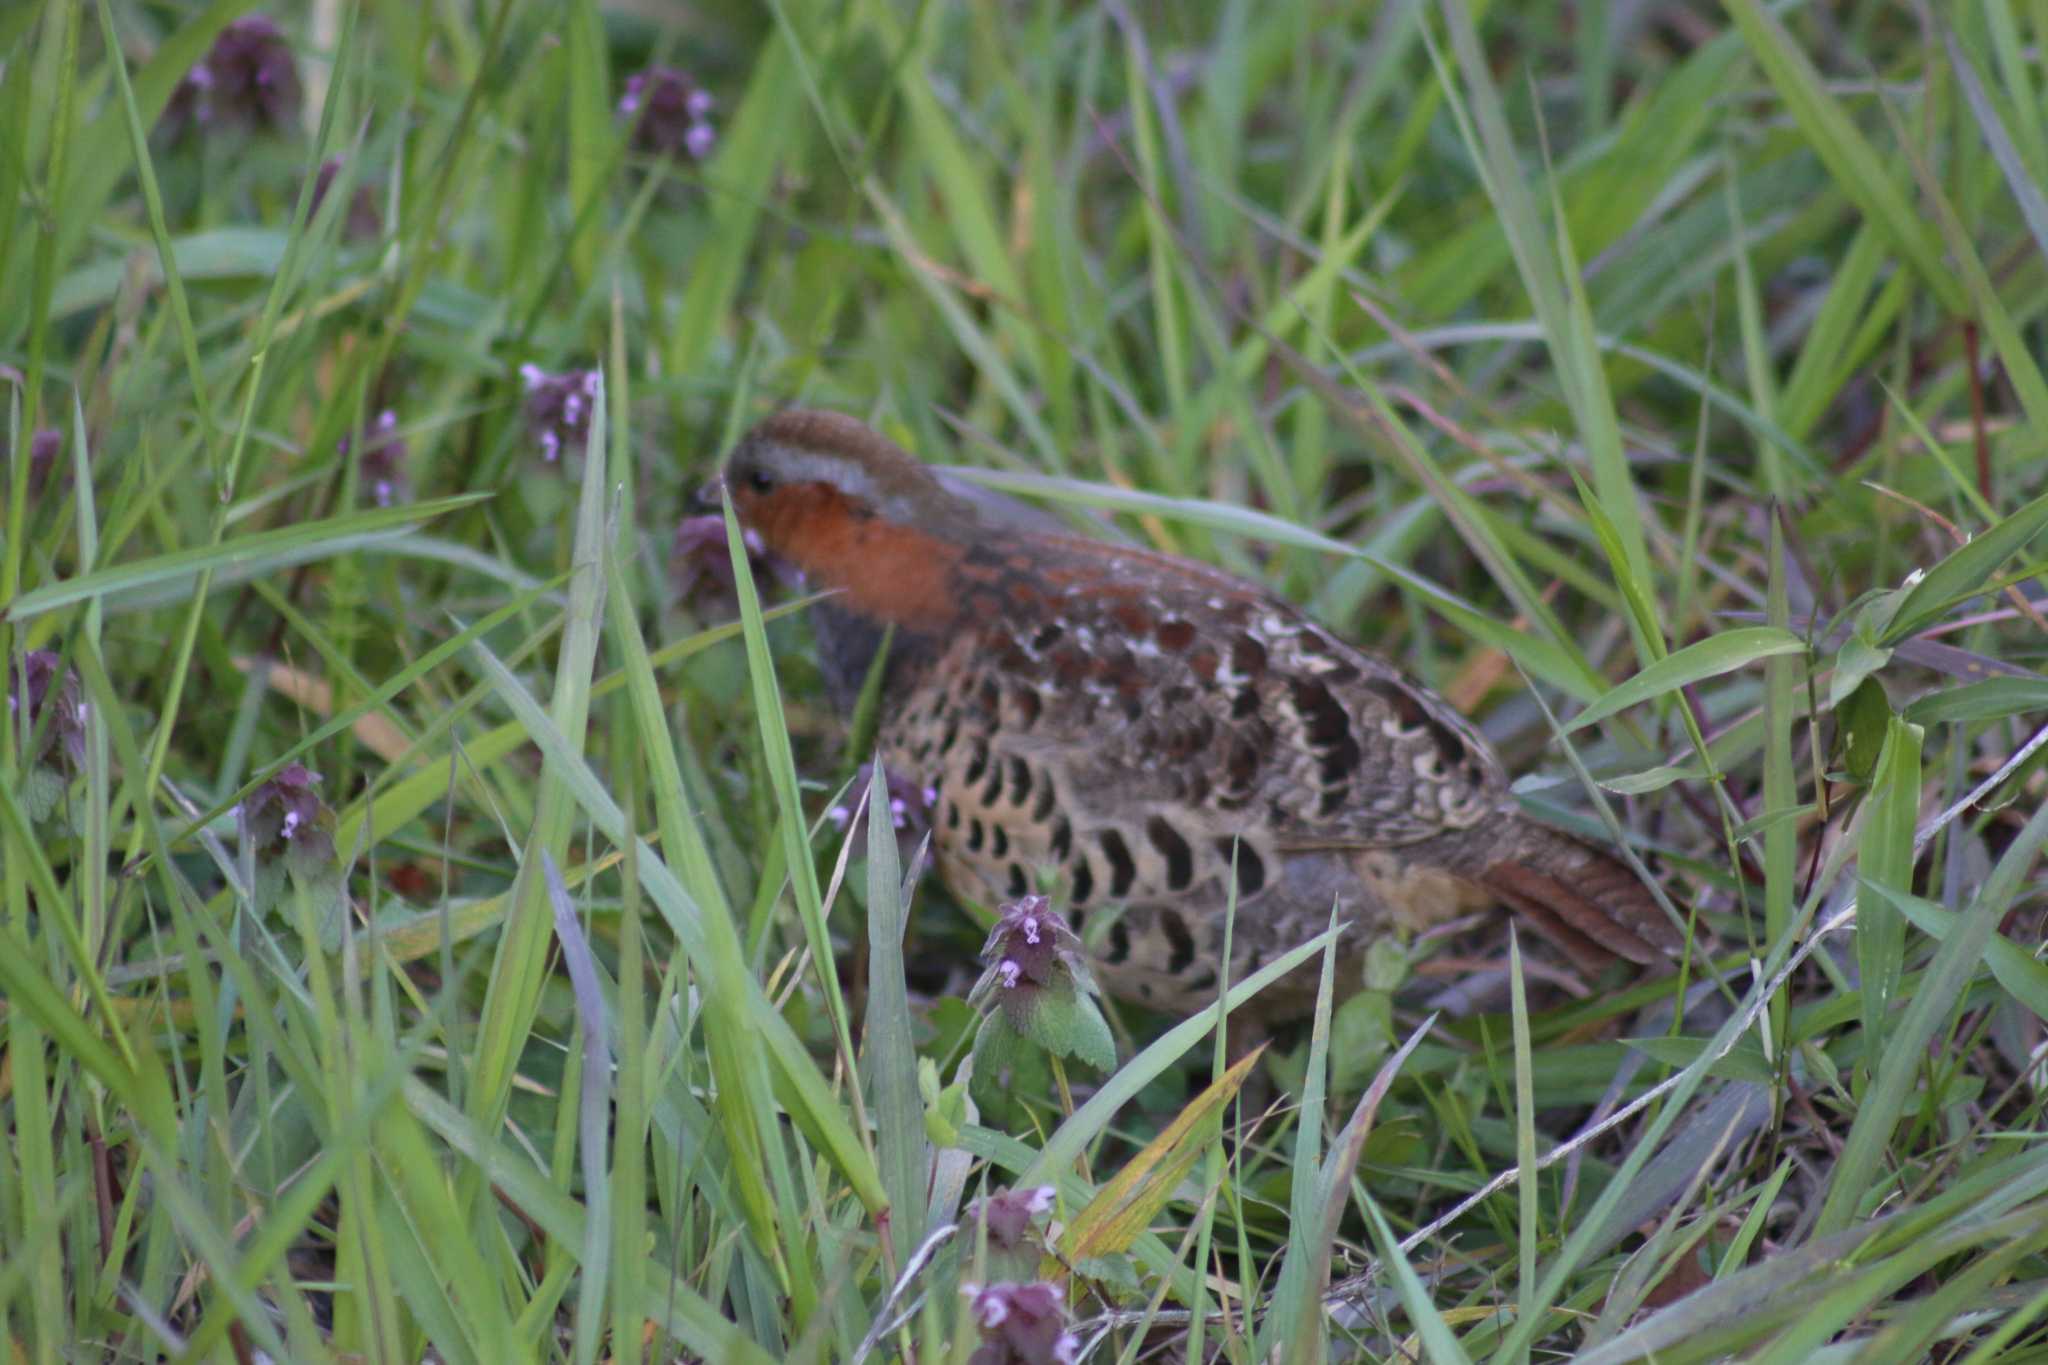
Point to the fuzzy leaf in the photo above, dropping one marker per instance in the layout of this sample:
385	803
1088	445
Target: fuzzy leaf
1007	1067
1066	1023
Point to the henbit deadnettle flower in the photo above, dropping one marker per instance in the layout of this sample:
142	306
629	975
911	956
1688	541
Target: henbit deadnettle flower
286	816
33	677
910	808
1021	1324
1009	1215
1037	977
670	113
1029	950
558	408
248	79
361	219
702	565
382	471
43	449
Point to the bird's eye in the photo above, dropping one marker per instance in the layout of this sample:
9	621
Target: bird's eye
759	481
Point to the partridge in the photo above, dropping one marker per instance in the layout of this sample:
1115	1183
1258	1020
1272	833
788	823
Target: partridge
1157	735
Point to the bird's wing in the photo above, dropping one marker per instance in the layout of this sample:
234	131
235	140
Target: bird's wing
1160	685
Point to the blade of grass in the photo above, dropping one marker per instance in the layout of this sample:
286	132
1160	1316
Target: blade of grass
1708	658
284	546
1857	168
1294	1317
780	758
1090	1120
1963	573
1887	862
1854	1178
1129	1200
887	1040
1551	275
513	993
799	1086
1528	1210
2024	976
594	1111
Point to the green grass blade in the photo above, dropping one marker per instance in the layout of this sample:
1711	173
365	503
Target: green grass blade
1854	1178
887	1042
271	550
1708	658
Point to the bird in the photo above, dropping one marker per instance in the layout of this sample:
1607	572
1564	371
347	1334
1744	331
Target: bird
1166	744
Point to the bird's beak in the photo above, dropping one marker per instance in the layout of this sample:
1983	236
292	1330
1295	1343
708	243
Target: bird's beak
706	498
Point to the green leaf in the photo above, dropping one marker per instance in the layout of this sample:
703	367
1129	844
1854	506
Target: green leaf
1066	1023
1124	1207
1859	171
1991	699
283	547
1216	516
887	1047
1089	1121
1649	779
2012	966
1544	658
1885	1102
1859	658
1744	1062
42	792
1709	658
1008	1067
1865	720
945	1109
226	253
1965	571
1885	856
1415	1296
1361	1034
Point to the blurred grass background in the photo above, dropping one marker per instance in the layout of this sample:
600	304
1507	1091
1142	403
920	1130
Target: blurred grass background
1669	375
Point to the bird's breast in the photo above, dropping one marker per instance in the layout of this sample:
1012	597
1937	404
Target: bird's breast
885	571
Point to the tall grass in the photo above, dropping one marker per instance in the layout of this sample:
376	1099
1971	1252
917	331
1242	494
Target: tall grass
1663	383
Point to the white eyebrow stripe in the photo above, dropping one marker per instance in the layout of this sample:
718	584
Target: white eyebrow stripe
812	466
862	484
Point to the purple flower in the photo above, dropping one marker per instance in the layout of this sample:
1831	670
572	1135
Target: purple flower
670	113
285	816
248	79
703	565
910	807
558	408
1021	1324
56	706
1032	947
382	470
1031	959
1036	975
362	219
43	449
1009	1215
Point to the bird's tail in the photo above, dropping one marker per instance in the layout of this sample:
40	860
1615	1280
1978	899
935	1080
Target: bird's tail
1584	898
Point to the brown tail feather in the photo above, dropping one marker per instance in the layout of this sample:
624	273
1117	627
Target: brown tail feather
1583	897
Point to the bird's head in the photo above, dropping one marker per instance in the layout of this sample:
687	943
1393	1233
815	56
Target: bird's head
852	510
802	467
